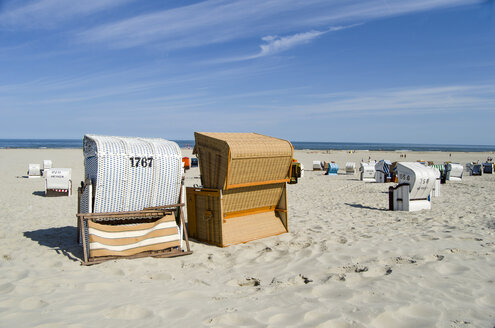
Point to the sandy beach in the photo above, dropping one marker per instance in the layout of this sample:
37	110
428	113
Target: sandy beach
346	262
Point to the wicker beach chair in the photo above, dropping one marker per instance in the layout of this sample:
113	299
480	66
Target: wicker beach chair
350	168
58	182
367	172
130	204
416	182
332	169
454	171
382	169
244	194
34	171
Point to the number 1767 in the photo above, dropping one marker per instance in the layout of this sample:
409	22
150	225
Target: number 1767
141	161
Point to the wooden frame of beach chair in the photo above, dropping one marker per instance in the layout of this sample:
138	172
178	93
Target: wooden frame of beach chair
130	204
233	217
94	227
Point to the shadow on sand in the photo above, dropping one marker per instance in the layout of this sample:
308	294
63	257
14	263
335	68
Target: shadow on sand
366	207
63	240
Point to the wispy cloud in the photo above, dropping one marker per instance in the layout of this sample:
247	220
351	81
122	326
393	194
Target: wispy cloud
404	101
48	13
216	21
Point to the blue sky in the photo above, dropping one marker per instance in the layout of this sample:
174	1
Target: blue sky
419	71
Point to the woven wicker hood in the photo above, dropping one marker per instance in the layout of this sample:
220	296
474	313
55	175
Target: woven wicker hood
233	160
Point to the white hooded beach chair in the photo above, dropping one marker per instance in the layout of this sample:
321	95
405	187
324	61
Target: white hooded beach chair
367	172
47	164
454	171
350	168
317	166
382	169
131	201
436	187
34	171
58	182
416	182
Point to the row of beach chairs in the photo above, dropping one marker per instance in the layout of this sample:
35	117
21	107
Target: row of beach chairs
58	181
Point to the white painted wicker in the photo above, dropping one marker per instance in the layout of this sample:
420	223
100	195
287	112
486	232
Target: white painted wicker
130	174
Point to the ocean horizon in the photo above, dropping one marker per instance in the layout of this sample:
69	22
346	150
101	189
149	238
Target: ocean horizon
299	145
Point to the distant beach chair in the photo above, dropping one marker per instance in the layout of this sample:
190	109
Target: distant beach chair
436	187
58	182
185	160
350	168
382	169
488	168
468	167
416	182
194	162
476	169
317	166
296	172
441	169
34	171
454	171
367	172
130	204
47	164
332	169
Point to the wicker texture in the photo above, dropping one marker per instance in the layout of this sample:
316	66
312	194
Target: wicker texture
121	185
230	159
208	210
252	197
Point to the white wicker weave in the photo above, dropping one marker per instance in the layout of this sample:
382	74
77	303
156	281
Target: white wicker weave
130	174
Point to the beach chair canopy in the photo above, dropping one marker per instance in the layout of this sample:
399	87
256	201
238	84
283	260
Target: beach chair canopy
383	166
421	179
454	171
58	178
47	164
34	170
488	168
129	174
236	160
58	181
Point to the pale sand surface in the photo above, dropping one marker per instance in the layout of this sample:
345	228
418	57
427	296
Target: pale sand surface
347	261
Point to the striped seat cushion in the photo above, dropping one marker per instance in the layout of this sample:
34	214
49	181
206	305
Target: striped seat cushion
131	239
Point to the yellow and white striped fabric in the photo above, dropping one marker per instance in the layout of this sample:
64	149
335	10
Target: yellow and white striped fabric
130	239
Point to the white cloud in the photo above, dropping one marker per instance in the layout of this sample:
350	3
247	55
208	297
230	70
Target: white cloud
216	21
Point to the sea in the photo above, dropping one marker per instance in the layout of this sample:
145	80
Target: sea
310	145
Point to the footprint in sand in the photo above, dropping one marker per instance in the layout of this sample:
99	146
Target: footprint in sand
32	303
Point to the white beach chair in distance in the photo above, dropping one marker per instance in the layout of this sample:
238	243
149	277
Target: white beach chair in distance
58	182
454	171
436	187
416	182
382	169
34	171
367	172
317	166
350	168
47	164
